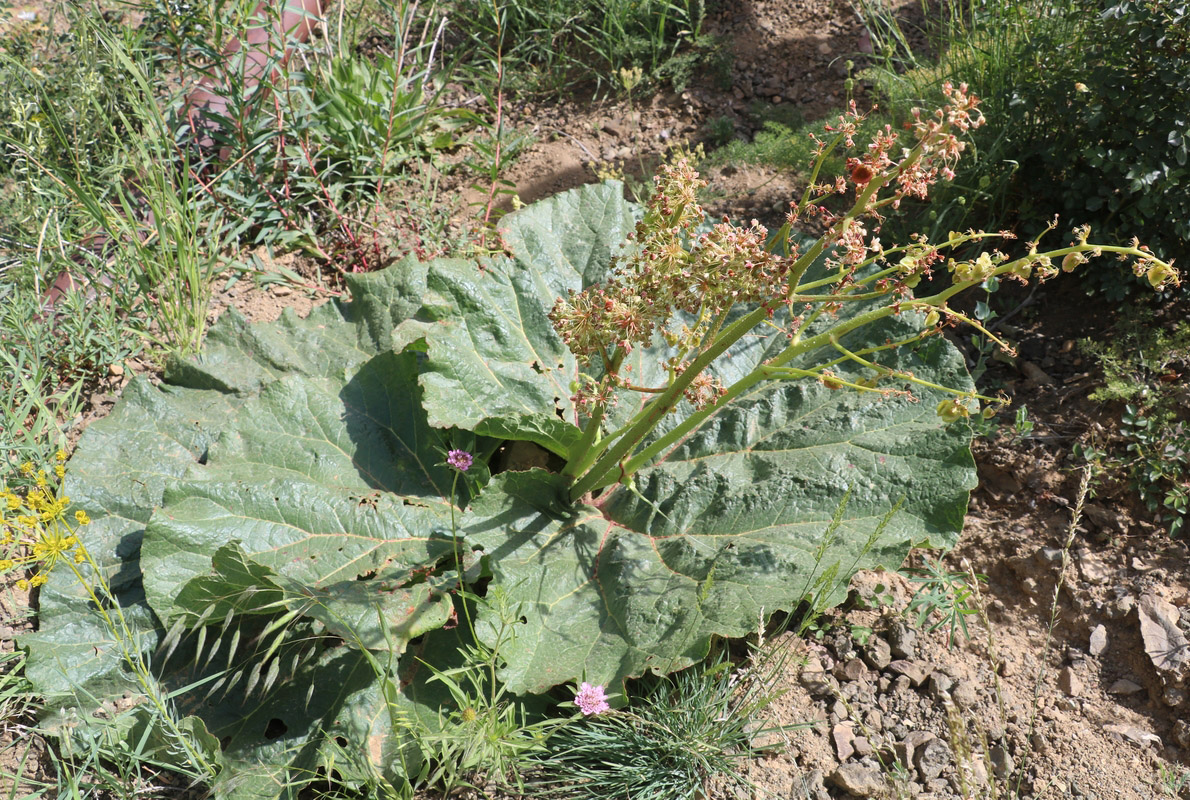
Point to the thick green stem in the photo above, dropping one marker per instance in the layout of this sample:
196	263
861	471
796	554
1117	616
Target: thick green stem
754	377
596	476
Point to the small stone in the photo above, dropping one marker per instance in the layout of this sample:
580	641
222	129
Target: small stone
814	679
1094	570
1125	686
915	672
857	779
901	684
1173	696
907	748
282	291
843	735
1098	640
1121	607
1165	643
1041	745
1049	555
1181	733
1133	734
854	670
902	639
1069	683
932	758
877	654
116	370
939	685
612	127
977	770
1002	764
965	694
863	748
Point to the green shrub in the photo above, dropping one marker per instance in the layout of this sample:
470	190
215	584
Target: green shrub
1087	100
554	44
1116	151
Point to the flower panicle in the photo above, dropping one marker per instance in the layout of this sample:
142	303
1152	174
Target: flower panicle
36	531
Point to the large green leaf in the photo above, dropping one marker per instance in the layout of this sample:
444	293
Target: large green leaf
279	505
495	365
305	440
732	523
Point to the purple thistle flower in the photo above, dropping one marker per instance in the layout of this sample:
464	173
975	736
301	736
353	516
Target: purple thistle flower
459	459
591	699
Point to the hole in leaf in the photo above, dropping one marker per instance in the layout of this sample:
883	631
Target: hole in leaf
366	576
276	728
225	743
341	741
202	459
536	367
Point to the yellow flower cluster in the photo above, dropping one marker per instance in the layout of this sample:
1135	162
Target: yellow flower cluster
35	531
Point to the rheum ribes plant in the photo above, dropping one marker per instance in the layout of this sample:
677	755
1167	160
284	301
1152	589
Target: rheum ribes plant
637	446
703	291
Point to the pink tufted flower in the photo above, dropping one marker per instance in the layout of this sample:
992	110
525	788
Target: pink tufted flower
591	699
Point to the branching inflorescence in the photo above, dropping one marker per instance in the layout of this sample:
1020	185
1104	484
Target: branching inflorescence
701	292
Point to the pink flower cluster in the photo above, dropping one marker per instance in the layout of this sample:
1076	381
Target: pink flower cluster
591	699
459	459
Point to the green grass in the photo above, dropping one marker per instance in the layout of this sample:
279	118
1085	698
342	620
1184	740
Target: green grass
554	45
682	731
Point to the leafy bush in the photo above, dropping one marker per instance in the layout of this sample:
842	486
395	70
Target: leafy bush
300	142
1144	368
1088	101
553	44
63	105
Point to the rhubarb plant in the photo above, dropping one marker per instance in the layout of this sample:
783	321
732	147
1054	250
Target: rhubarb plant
640	431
